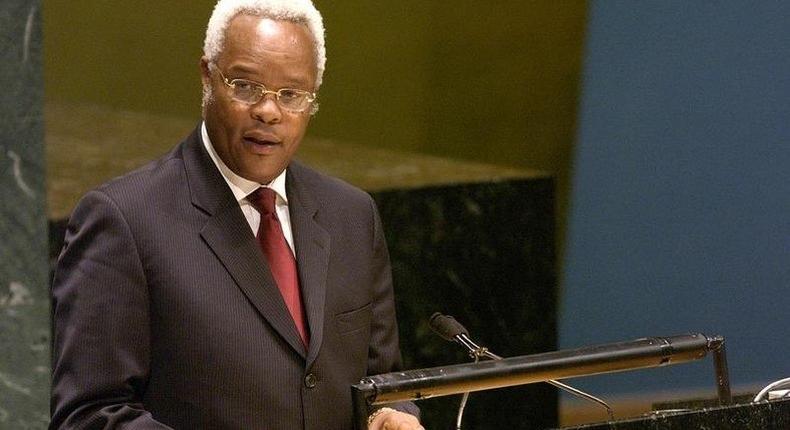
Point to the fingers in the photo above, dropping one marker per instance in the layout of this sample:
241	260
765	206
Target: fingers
400	421
404	426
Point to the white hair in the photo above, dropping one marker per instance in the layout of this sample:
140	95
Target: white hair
298	11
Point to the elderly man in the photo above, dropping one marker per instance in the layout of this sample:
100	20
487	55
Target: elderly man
226	286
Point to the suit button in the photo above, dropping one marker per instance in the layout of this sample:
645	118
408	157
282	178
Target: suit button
310	380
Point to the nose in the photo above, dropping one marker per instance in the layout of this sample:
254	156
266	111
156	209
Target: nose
267	110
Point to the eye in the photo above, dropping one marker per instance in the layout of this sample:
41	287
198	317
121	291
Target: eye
242	85
289	94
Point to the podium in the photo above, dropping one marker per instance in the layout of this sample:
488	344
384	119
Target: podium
774	415
380	390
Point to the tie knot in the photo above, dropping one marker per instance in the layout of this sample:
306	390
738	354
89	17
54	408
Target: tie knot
262	199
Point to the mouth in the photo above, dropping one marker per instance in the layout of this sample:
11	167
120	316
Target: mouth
262	144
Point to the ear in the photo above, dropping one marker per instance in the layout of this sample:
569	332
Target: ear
205	73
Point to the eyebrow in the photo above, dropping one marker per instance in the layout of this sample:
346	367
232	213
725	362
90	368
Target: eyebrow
291	81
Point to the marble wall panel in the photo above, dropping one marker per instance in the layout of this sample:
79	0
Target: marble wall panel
773	415
484	253
24	308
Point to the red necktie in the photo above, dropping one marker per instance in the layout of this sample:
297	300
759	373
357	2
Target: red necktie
278	254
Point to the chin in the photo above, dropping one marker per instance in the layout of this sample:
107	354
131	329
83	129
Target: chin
264	176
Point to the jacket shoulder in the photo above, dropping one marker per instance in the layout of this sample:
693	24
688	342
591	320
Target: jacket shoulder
329	190
157	177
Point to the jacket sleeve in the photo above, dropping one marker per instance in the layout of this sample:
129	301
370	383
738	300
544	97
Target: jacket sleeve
101	325
384	352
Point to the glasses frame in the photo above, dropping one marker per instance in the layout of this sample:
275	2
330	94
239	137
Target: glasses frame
263	91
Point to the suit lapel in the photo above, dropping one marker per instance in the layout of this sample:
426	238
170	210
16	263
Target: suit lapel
228	235
240	255
312	245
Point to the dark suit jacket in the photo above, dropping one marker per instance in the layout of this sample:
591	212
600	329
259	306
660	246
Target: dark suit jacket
166	313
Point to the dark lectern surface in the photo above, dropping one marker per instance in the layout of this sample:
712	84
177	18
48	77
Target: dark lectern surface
773	415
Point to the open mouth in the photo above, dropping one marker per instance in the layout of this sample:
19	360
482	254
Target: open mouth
261	142
262	145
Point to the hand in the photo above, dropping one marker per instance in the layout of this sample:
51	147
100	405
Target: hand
395	420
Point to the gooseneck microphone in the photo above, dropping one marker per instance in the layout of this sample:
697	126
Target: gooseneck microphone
448	328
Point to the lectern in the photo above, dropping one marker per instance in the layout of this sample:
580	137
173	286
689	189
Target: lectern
615	357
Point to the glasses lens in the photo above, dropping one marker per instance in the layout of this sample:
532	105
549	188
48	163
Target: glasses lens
293	99
246	91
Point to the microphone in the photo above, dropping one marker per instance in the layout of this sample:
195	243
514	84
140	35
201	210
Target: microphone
446	326
450	329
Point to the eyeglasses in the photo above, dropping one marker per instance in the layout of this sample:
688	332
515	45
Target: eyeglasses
251	92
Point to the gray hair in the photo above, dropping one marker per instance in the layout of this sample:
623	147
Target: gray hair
298	11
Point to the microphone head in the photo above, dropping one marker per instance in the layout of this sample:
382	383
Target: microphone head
446	326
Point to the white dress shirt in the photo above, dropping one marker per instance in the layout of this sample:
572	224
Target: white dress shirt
242	187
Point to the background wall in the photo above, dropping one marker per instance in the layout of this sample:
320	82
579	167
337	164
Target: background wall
497	85
681	193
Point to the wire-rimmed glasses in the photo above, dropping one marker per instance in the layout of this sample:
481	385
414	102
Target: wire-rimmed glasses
251	92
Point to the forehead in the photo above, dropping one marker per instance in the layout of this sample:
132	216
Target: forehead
276	46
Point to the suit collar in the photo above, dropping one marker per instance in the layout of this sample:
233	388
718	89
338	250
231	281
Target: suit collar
207	188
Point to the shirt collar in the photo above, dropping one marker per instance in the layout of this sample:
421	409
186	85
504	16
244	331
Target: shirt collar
241	187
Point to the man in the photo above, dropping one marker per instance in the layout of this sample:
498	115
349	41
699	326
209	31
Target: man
226	286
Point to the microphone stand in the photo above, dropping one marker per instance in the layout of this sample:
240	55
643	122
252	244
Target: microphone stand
478	351
449	328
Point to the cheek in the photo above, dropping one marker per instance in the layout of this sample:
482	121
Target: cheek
228	116
300	127
235	118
